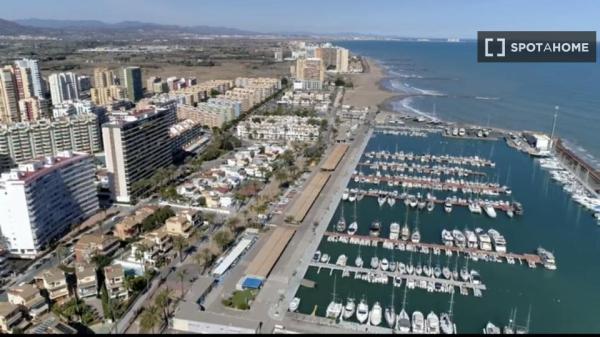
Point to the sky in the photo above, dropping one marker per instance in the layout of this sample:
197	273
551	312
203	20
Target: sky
409	18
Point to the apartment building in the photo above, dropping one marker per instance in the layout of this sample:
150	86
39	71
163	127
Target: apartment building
63	87
43	198
29	140
161	239
35	76
132	81
136	145
29	298
10	317
87	283
183	223
114	279
311	71
55	283
33	108
279	128
130	226
90	245
9	96
108	95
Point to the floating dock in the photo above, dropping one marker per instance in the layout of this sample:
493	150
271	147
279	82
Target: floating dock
435	184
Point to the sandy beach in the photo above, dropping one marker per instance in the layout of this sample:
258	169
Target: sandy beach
367	91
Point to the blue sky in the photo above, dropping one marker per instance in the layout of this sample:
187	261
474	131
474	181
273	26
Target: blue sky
415	18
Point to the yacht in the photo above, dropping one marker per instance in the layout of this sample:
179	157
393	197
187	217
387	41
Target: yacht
376	314
325	258
349	308
375	228
447	237
384	265
430	205
405	233
391	201
412	202
474	207
401	268
341	224
491	329
381	199
427	270
374	262
485	243
547	258
334	309
410	269
471	239
509	329
418	322
352	228
345	194
362	311
499	240
358	262
415	236
342	260
432	324
459	238
352	195
421	204
294	304
446	273
418	269
448	206
510	213
394	231
489	210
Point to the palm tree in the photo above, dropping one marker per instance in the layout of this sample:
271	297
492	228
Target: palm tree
180	244
162	303
181	276
203	258
149	318
139	255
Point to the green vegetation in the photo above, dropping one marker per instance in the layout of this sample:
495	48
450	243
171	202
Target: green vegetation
221	143
149	318
135	284
180	244
75	310
240	299
214	93
223	237
156	219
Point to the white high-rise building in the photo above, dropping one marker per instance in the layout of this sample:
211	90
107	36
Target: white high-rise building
41	199
36	75
63	87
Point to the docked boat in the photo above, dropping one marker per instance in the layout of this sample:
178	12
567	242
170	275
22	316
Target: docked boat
375	228
391	201
394	231
375	315
358	261
345	194
393	266
474	208
415	237
342	260
421	204
334	309
381	199
362	311
547	258
427	270
448	206
475	277
294	304
430	205
489	210
418	322
402	322
374	262
499	240
471	238
405	233
418	269
349	308
447	238
352	228
412	202
410	269
401	268
491	329
437	271
510	213
485	243
384	265
459	238
446	324
325	258
390	316
397	281
352	195
432	324
317	256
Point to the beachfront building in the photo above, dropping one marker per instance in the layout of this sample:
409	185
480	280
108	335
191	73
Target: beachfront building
28	297
114	279
43	198
90	245
28	140
54	281
310	72
136	144
87	283
279	128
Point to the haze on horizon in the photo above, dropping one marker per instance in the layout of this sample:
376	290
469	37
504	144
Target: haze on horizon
412	18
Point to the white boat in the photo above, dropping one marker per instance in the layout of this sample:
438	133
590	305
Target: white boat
471	239
358	261
375	315
334	310
459	238
446	325
448	206
341	224
362	311
390	316
410	269
394	231
437	271
405	233
402	322
510	213
430	205
489	210
401	268
485	243
342	260
447	238
391	201
352	195
345	194
374	262
499	240
432	324
491	329
418	322
349	309
375	228
352	228
381	200
294	304
474	207
547	258
446	273
325	258
384	264
317	256
427	270
418	269
415	237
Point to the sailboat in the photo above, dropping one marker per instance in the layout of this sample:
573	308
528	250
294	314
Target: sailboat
409	267
405	232
524	329
447	326
403	320
362	311
358	261
354	225
491	329
334	309
376	314
349	308
427	269
416	235
509	329
390	313
432	324
418	322
446	270
341	224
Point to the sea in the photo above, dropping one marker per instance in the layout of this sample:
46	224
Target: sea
511	96
444	79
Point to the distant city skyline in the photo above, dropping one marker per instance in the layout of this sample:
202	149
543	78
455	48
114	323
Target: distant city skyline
424	18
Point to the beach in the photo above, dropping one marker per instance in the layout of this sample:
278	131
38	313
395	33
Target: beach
367	90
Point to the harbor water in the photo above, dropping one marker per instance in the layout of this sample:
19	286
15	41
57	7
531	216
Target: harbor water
562	300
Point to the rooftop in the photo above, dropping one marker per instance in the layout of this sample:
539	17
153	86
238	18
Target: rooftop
25	290
112	271
7	308
52	275
33	169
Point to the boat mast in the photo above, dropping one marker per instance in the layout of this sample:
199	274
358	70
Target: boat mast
355	210
556	108
451	305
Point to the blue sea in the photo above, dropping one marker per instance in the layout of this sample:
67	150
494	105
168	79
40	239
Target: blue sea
446	77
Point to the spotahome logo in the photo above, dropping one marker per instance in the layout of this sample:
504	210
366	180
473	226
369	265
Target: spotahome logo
525	46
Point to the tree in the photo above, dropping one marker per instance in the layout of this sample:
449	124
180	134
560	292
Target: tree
149	318
139	254
180	244
223	237
61	252
162	303
181	276
204	258
101	261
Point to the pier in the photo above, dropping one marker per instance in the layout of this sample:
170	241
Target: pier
585	173
438	170
436	184
405	277
531	259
